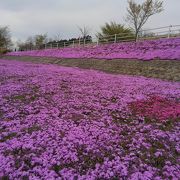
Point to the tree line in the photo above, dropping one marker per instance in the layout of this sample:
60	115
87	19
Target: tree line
137	15
42	41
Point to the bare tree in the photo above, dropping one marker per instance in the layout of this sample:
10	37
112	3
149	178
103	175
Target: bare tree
57	37
85	31
5	37
30	42
138	14
20	45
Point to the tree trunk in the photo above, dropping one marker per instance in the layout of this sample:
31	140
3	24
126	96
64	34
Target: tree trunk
136	36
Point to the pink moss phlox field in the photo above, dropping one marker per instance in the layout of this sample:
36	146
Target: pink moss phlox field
156	108
168	49
66	123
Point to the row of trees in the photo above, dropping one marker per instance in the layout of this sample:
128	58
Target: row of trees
137	16
32	42
42	41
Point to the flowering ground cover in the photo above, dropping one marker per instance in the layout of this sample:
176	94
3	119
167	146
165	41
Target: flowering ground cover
144	50
66	123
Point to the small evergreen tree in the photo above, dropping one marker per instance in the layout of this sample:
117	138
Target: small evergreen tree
112	28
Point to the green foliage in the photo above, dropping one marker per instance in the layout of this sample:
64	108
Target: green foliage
112	28
5	38
3	50
33	42
40	40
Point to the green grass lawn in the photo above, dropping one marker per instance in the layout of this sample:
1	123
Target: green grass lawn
163	69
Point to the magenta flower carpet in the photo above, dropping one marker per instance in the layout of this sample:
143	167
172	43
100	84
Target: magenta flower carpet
67	123
165	49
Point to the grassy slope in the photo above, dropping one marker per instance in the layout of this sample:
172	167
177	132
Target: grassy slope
167	70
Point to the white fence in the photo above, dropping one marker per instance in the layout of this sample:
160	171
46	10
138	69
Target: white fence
156	33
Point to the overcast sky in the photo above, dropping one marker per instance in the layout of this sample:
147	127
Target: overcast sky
30	17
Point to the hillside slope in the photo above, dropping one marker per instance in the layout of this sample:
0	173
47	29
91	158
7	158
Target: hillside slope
144	50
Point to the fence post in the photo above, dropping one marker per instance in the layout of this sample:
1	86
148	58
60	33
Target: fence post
115	38
57	45
97	43
169	33
156	35
51	45
84	42
64	44
79	41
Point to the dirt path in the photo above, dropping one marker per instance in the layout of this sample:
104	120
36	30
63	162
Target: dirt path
167	69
